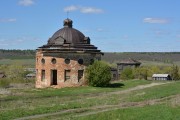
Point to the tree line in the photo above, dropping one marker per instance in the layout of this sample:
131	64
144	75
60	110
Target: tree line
17	54
144	72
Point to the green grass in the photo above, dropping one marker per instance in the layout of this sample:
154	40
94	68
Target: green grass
155	92
27	102
155	112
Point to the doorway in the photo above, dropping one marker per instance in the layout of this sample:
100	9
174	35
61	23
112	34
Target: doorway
54	77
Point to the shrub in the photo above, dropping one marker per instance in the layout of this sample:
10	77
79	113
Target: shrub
140	73
127	73
4	82
175	72
98	74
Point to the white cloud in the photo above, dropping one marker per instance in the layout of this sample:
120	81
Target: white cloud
8	20
83	9
156	20
26	2
91	10
71	8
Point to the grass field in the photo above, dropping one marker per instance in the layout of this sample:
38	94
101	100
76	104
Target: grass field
125	100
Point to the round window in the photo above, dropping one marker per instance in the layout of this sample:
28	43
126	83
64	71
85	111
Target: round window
42	60
67	60
80	61
53	61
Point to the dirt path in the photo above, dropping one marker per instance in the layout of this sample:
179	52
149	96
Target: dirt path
104	108
139	87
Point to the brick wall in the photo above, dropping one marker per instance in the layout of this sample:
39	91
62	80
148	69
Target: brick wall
44	61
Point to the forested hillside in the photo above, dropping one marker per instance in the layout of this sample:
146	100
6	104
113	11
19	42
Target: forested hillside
166	57
17	54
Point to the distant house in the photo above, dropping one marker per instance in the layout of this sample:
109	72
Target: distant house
2	75
161	77
127	63
31	76
114	73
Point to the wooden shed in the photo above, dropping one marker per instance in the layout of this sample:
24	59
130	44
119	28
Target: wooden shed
161	77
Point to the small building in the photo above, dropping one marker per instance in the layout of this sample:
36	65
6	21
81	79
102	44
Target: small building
2	75
161	77
114	73
31	76
127	63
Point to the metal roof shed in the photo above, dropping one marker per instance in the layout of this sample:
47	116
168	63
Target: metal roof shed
161	77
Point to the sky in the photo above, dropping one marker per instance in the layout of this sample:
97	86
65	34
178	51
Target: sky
112	25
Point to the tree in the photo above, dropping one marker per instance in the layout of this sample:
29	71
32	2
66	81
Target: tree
127	73
98	74
175	72
140	73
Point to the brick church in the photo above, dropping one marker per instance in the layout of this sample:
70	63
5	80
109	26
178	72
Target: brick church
63	60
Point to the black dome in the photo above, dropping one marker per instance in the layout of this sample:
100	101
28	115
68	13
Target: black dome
66	35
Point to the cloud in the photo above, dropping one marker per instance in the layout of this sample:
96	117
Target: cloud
156	20
71	8
85	10
91	10
8	20
26	2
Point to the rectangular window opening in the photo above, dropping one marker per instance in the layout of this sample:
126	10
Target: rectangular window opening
67	75
42	75
80	74
54	77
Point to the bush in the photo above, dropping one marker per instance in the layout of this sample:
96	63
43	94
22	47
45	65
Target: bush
140	73
127	73
98	74
4	82
175	72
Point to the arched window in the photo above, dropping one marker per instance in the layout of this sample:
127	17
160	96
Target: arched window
53	61
67	60
43	61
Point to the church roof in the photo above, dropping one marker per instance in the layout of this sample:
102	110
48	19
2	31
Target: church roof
69	39
66	35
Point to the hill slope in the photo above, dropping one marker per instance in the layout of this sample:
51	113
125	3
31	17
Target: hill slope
167	57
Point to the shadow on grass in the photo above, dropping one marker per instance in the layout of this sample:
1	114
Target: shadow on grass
115	85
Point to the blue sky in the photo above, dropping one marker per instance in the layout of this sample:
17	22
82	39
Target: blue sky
112	25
